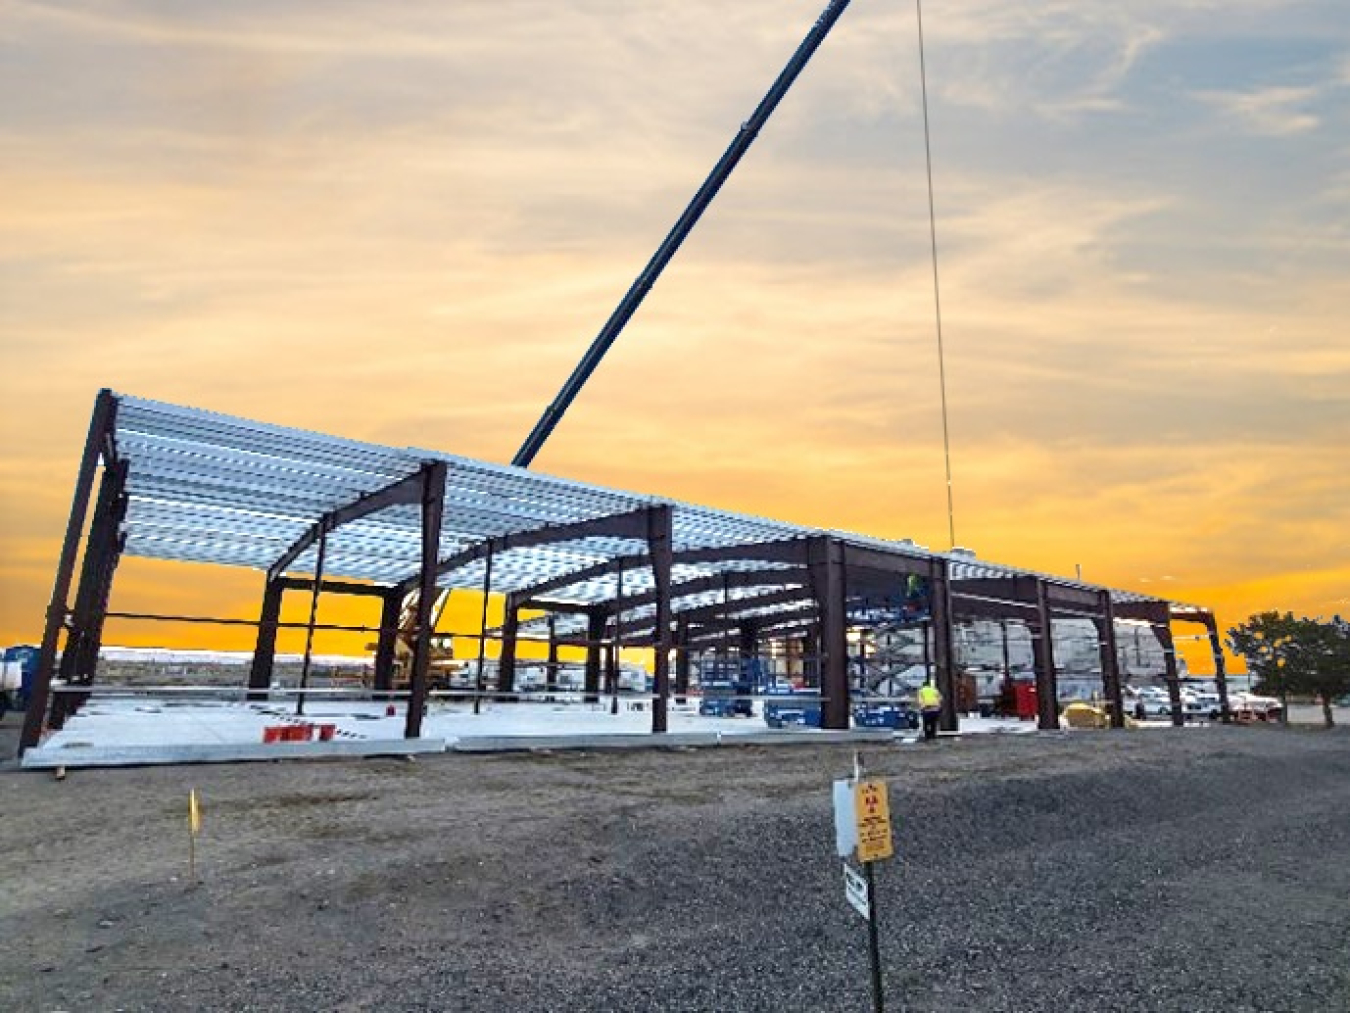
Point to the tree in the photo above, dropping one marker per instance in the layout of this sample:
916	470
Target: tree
1296	655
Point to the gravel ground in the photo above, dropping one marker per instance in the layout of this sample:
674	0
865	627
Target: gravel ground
1190	870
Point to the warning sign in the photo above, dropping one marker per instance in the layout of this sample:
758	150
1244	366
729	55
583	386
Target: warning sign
873	813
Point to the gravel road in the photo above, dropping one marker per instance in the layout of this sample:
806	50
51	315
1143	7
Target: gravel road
1190	870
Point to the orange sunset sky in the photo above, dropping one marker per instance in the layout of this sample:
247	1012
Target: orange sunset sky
404	222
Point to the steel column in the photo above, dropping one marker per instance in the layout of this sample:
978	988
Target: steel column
506	665
595	631
828	582
1220	668
482	632
265	647
1043	653
433	504
660	545
1162	629
313	616
551	667
1106	639
100	429
940	608
391	609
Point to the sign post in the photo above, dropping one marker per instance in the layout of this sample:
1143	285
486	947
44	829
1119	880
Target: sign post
862	826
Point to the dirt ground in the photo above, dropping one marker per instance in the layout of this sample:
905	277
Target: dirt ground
1190	869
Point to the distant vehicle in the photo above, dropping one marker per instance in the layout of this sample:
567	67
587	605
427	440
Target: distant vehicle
1201	706
1147	702
1250	707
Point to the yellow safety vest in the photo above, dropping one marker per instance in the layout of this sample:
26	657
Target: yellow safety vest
929	698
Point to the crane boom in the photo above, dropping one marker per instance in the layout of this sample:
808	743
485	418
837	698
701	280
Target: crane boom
644	282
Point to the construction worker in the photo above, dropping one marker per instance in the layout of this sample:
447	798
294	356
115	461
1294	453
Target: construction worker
930	706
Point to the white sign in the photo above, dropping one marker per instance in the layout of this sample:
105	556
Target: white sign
845	819
855	889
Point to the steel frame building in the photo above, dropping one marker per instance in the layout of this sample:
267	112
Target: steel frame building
322	514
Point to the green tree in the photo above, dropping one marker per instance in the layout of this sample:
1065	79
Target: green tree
1289	654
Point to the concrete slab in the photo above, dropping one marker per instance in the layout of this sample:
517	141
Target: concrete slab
75	756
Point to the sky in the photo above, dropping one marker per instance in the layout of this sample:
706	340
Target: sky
405	222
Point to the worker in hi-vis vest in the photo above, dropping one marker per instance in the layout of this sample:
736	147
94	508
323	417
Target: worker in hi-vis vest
930	706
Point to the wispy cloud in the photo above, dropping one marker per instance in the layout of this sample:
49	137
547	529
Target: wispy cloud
1275	111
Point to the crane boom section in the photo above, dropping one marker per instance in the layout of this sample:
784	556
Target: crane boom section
642	285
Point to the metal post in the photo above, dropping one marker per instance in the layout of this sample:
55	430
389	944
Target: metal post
1220	668
595	632
103	548
660	546
482	633
1106	629
386	647
1043	651
313	615
681	660
265	647
551	668
506	666
874	939
100	427
940	605
617	645
1162	629
433	505
826	557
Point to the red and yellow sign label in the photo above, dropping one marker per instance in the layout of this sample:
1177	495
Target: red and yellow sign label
873	814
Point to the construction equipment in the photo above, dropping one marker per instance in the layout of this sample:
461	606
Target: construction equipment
643	284
740	144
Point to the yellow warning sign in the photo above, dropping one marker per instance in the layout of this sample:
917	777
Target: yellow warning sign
873	814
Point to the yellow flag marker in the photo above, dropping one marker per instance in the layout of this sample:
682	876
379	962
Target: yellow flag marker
194	826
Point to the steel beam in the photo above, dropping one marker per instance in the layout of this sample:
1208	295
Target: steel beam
829	581
660	545
1220	668
506	664
630	524
1043	655
1106	638
265	646
386	647
101	427
405	491
944	660
595	631
433	498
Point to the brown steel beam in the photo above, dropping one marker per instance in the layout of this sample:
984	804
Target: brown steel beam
829	581
101	428
1106	638
432	501
506	664
1043	654
595	630
630	524
1220	668
265	646
944	660
788	550
405	490
866	558
660	546
343	587
386	648
527	594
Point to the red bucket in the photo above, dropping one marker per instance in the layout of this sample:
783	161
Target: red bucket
326	732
